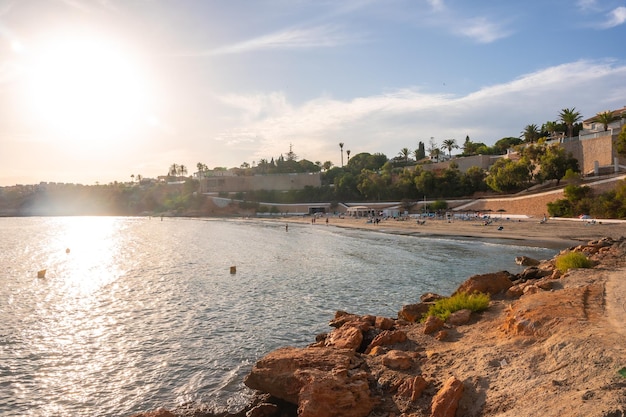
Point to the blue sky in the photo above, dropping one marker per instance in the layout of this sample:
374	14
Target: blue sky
97	90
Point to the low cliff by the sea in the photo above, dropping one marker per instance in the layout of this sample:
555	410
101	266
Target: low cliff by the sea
551	343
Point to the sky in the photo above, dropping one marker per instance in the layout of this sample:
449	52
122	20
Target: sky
94	91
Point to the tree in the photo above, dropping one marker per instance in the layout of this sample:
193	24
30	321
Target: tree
555	163
570	117
605	118
507	176
327	165
173	171
348	153
449	144
404	153
182	169
420	152
341	147
531	133
371	185
550	127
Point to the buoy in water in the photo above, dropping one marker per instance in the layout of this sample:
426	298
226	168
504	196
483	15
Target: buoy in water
233	269
41	274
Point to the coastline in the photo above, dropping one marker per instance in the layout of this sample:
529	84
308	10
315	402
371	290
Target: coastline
554	234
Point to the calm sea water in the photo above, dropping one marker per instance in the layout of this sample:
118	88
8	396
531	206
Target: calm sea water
143	313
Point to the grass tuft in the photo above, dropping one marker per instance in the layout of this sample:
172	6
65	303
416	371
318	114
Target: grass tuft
446	306
571	260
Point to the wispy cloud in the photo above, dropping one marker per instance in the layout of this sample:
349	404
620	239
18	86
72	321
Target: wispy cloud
616	17
483	30
293	38
480	28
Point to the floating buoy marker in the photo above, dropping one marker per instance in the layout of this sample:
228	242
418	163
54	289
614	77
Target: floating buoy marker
41	274
233	270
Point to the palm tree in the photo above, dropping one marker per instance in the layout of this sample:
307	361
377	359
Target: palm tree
348	153
531	133
182	169
174	169
132	177
605	118
405	152
550	127
570	117
449	144
341	147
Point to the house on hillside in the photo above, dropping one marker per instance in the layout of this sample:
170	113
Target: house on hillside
593	126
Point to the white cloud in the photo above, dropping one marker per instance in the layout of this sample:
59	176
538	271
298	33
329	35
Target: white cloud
294	38
615	18
483	31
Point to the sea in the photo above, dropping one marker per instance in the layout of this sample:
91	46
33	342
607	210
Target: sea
138	313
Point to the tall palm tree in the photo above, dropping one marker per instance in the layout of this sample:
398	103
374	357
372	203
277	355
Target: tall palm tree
405	152
570	117
605	118
449	144
530	133
182	169
341	147
348	153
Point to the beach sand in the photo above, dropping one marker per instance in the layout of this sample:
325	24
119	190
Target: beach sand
555	233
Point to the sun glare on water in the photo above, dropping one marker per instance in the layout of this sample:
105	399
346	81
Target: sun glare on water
86	88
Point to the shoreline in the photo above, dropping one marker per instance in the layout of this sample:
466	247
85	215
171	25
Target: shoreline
554	234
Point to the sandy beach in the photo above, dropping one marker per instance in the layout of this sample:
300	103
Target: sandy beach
555	233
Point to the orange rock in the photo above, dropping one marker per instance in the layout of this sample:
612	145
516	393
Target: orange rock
493	283
345	337
384	323
398	359
432	324
387	337
413	312
447	399
335	395
413	387
460	317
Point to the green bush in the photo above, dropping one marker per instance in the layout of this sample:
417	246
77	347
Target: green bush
446	306
571	260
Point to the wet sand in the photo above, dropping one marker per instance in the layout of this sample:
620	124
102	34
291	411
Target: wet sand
555	234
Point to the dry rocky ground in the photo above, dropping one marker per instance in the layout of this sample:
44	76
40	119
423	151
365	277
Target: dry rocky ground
549	344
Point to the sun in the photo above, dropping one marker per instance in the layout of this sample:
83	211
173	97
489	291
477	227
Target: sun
86	88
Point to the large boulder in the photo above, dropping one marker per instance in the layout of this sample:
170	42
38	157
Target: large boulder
493	283
321	381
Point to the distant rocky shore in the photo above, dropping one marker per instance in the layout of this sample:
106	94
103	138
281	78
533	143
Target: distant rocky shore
550	344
